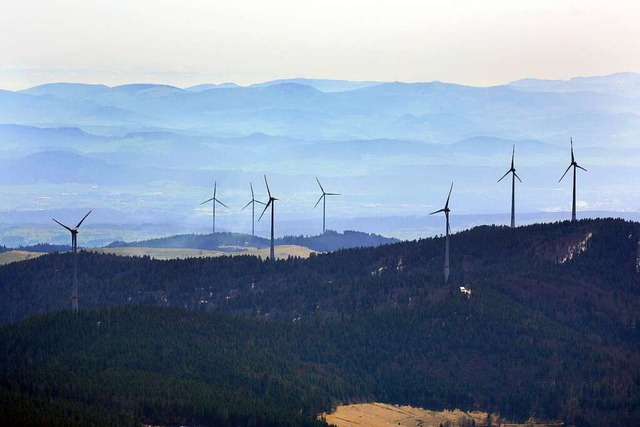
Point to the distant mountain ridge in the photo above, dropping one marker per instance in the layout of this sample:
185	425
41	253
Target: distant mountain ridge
389	147
623	84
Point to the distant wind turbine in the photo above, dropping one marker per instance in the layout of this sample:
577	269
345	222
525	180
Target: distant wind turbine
575	166
513	187
74	249
213	201
324	203
271	203
253	210
446	211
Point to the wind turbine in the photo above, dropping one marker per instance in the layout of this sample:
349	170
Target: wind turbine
575	166
324	203
271	203
446	211
74	249
513	187
213	201
253	210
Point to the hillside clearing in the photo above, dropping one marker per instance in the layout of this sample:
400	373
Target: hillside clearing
385	415
15	256
281	252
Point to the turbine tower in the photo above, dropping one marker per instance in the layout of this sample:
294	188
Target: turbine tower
213	201
253	210
513	187
74	249
575	166
324	203
446	211
271	203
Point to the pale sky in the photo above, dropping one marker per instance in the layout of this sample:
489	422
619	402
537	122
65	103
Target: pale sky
188	42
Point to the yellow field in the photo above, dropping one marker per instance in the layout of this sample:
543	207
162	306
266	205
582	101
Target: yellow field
385	415
281	252
158	253
14	256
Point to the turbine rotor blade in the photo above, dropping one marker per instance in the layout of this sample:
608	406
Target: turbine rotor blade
513	154
572	158
62	225
332	194
565	172
504	176
206	201
265	209
517	177
215	185
267	184
82	220
245	206
221	203
321	189
252	195
446	205
318	200
435	212
580	167
258	201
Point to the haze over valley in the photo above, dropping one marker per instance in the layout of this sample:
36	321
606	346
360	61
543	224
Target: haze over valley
143	156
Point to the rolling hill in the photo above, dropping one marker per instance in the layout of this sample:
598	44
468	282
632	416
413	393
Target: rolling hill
237	242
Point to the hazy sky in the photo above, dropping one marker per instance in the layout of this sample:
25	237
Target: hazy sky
246	41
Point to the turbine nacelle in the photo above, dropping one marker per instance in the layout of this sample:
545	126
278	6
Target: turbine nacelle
446	209
74	229
270	201
573	163
253	199
214	199
324	193
512	169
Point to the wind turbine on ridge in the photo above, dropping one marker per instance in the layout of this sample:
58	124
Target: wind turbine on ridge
513	187
271	203
575	166
446	211
74	249
324	203
213	201
253	210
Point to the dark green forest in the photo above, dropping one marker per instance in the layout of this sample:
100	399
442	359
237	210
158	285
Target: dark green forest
241	341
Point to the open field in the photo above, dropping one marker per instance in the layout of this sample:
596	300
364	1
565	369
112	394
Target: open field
158	253
15	256
281	252
385	415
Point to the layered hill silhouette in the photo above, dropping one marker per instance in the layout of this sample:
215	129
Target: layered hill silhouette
550	330
144	154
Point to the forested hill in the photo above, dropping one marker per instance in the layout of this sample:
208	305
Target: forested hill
234	242
556	268
550	331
